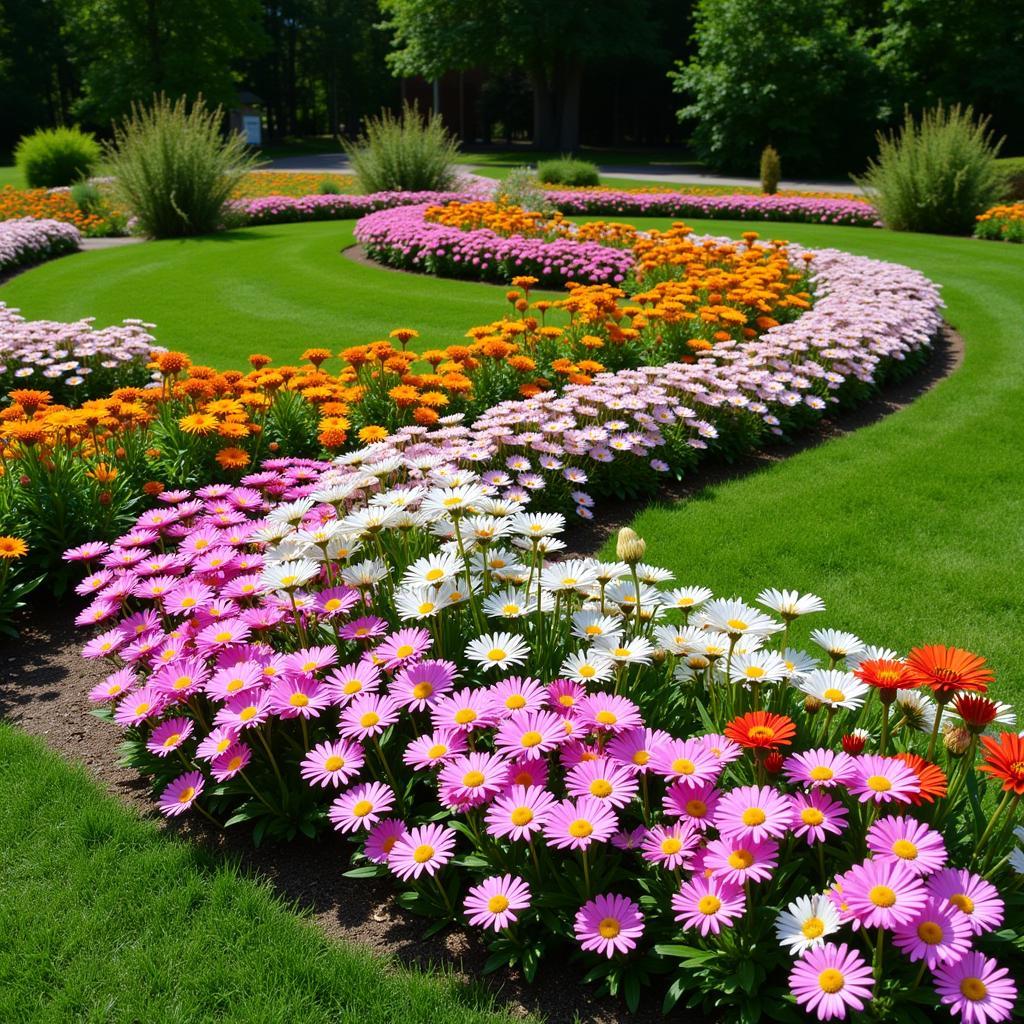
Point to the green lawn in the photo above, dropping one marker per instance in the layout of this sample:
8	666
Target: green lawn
105	920
10	175
274	289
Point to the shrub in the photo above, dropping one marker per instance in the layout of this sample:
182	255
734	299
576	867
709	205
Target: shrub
409	153
55	157
520	188
88	198
771	170
567	171
174	169
936	175
1012	170
328	187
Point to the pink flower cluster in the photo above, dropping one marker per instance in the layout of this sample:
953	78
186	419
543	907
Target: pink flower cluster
26	240
851	212
72	360
401	237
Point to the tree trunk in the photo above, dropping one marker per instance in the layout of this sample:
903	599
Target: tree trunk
545	113
556	106
569	122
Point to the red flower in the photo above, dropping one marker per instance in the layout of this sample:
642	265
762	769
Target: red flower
885	674
948	670
853	744
977	712
931	777
762	730
773	763
1004	759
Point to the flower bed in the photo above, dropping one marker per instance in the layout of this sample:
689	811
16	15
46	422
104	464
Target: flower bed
25	241
575	756
290	183
1004	223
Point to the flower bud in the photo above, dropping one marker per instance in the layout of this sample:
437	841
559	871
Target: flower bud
630	547
853	744
773	763
812	705
956	739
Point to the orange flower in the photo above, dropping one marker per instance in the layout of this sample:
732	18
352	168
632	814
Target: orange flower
761	730
1004	760
152	487
257	361
371	434
424	416
948	670
102	473
977	712
316	355
30	399
886	675
198	423
930	776
232	458
403	395
404	335
12	547
170	363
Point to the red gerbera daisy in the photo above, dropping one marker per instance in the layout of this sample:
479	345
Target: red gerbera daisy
762	730
887	676
931	777
1004	759
948	670
977	712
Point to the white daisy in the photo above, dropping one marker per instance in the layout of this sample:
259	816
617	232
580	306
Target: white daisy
362	521
635	651
833	687
679	640
798	663
497	650
590	624
511	603
623	593
686	598
418	604
291	512
400	497
653	574
289	576
836	643
454	500
364	574
735	618
789	603
571	575
537	524
759	667
587	667
608	571
485	529
545	545
871	653
432	570
806	922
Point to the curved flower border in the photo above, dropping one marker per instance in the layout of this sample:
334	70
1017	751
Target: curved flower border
25	241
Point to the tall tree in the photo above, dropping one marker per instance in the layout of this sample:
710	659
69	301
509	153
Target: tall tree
552	42
127	50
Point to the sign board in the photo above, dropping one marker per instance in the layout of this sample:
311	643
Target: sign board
252	128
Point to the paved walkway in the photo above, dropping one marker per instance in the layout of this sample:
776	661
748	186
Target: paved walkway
664	174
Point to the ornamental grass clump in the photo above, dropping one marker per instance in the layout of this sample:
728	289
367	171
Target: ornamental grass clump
771	170
55	157
409	153
174	169
581	758
937	174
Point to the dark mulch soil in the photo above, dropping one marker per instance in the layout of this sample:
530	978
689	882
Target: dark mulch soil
43	687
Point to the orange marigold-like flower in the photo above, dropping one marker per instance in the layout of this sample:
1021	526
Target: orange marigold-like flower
372	433
404	335
930	776
170	363
12	548
103	473
257	361
232	458
316	355
1004	760
200	423
332	437
403	395
30	399
424	417
761	730
948	670
885	674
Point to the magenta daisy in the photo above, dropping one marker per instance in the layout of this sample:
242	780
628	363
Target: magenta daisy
737	860
115	685
332	763
908	840
311	659
418	686
367	628
244	710
382	838
883	779
405	646
494	902
219	635
530	734
977	989
426	848
519	813
139	705
232	761
816	814
336	601
723	749
606	712
939	934
609	924
168	736
882	894
829	979
182	678
636	747
687	761
975	898
361	806
753	813
434	748
670	846
603	779
242	676
298	696
820	767
181	794
517	694
367	716
528	771
578	823
105	644
693	804
216	741
563	695
464	710
346	683
474	778
708	903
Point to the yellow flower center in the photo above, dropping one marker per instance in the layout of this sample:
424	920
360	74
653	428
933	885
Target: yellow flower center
246	713
235	763
709	904
811	816
588	672
142	708
606	718
683	766
813	928
497	903
223	636
580	828
464	716
333	763
930	932
753	816
881	896
186	794
696	808
370	719
531	738
405	650
521	816
830	980
620	652
422	853
332	605
437	750
353	686
754	672
600	788
515	702
641	757
671	845
422	690
173	739
473	779
973	989
879	783
737	625
433	574
496	654
609	928
904	849
741	859
761	732
298	700
834	695
963	902
822	774
362	808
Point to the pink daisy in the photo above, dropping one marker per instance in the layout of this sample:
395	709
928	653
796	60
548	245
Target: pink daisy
216	741
723	749
815	814
115	685
687	761
829	979
382	838
474	778
434	748
181	794
336	601
367	716
737	860
606	712
563	695
361	806
578	823
426	848
693	804
708	903
629	839
182	678
516	695
139	705
309	660
367	628
883	894
975	898
604	779
939	934
350	681
753	813
105	644
636	747
977	989
820	767
883	779
226	682
494	902
529	734
527	771
244	710
418	686
907	840
405	646
464	710
219	635
298	696
332	763
609	924
520	812
228	764
670	846
168	736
